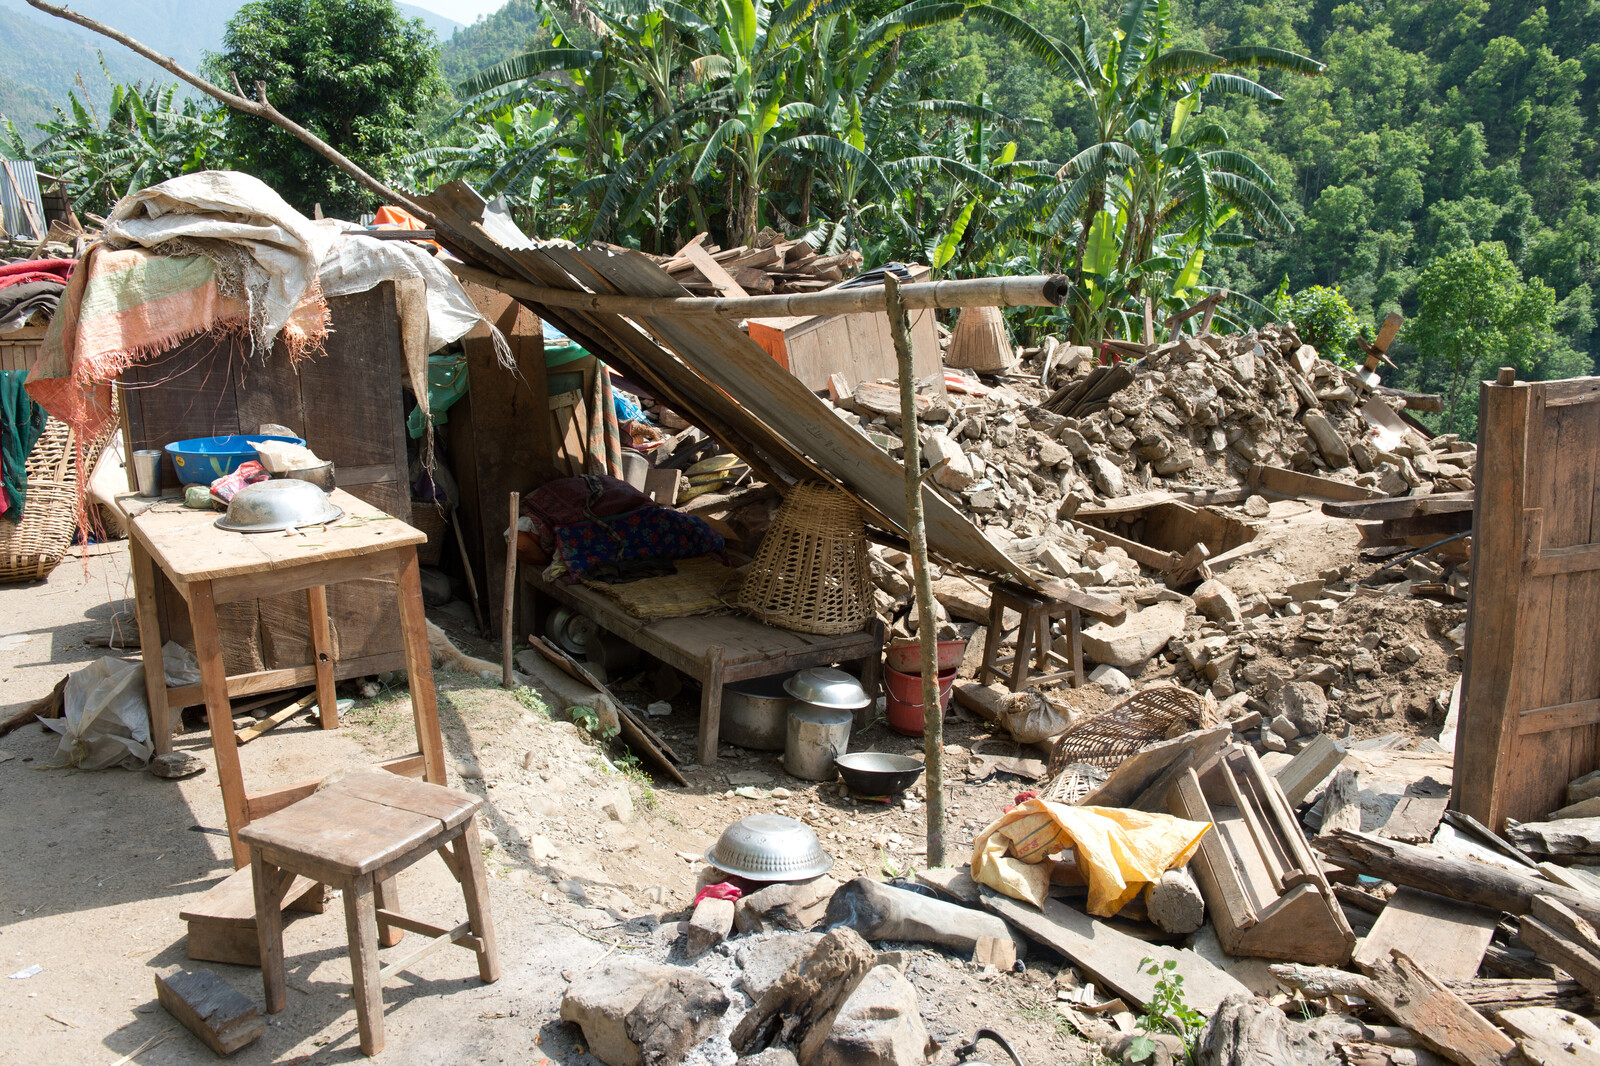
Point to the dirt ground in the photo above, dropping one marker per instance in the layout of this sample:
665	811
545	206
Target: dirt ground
97	866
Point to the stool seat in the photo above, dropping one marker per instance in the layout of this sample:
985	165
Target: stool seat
362	822
356	834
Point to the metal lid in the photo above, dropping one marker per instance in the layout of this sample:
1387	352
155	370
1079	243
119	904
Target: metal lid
769	847
826	687
268	506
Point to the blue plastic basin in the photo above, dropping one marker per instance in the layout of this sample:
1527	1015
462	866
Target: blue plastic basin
204	459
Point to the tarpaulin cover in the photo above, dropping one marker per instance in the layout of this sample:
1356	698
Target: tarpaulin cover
1117	851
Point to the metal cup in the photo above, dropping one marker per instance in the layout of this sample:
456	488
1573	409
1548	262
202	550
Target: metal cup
147	471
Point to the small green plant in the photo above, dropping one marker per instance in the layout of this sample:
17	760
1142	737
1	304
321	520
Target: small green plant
530	701
1167	1010
588	720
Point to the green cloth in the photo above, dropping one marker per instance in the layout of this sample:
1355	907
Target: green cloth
21	423
447	383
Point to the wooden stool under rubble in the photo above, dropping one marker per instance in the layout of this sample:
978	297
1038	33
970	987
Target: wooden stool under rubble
1038	610
356	835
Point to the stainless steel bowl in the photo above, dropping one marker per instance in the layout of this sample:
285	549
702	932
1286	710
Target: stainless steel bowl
320	475
769	847
827	687
268	506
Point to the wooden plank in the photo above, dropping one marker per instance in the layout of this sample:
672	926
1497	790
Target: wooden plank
1139	553
272	721
1446	1025
1446	938
1415	818
1111	957
1572	956
1560	1036
223	1018
1563	717
1135	773
1293	483
1570	391
713	270
1311	764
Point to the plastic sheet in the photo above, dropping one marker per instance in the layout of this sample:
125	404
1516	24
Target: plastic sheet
1118	852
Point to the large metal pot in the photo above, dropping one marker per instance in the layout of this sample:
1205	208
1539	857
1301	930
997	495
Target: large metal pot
755	713
815	737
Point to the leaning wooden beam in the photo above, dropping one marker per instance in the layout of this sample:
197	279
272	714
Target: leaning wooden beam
1041	290
258	107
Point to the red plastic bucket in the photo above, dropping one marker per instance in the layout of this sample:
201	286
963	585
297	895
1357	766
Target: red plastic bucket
903	705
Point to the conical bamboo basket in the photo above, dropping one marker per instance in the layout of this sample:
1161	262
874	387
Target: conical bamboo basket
810	573
980	341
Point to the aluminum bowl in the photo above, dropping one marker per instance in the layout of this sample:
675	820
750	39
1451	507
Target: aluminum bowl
769	847
826	687
268	506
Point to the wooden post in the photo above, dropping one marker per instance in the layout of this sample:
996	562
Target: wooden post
507	630
917	535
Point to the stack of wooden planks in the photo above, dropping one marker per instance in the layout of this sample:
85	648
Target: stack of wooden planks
771	265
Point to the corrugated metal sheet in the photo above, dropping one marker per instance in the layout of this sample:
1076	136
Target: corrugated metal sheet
19	181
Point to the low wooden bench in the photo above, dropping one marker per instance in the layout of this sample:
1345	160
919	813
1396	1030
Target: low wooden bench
715	649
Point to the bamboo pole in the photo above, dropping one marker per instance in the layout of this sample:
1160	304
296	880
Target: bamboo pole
917	535
1039	290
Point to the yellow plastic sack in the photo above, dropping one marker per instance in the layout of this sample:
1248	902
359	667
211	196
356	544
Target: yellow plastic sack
1117	851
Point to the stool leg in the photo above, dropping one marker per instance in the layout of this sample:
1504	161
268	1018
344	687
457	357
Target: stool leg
1025	635
264	877
1075	621
991	642
361	927
386	896
475	887
1041	654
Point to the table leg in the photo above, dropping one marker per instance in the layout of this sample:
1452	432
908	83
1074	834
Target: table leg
419	670
1026	634
322	646
361	928
1075	620
872	676
386	895
219	714
711	706
150	640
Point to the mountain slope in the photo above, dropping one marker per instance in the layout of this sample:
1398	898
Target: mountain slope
488	41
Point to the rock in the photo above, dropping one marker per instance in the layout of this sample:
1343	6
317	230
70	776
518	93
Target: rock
879	1025
1107	476
1585	787
674	1016
764	961
1285	728
175	764
773	1056
883	912
955	475
1301	591
1327	439
1052	454
618	805
1141	635
1319	673
1247	1031
1217	602
1257	507
1154	1049
1114	681
602	1001
1174	903
1076	446
1306	705
710	926
1272	741
801	1008
795	906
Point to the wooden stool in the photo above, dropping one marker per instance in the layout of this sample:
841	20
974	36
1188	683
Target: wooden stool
356	835
1038	610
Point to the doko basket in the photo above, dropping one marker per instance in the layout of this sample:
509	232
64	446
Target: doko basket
1106	739
32	546
810	573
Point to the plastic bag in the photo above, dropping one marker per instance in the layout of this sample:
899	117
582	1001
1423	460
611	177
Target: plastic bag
105	719
1030	718
1118	852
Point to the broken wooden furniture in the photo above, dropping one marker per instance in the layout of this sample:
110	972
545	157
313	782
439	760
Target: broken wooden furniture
1034	643
356	835
207	567
1266	892
716	649
1530	690
350	408
222	920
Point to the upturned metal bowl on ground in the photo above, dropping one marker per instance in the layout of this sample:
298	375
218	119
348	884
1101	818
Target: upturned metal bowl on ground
269	506
769	847
878	773
827	687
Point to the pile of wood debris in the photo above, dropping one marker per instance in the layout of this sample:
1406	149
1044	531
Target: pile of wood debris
771	265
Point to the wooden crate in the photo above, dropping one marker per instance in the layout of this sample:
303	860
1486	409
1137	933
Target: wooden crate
812	347
350	408
19	348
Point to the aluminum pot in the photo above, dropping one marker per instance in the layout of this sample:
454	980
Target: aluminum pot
815	737
755	713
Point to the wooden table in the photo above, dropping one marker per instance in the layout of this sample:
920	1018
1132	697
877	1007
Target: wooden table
715	649
210	566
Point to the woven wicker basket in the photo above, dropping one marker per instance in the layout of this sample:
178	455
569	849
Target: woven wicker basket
430	518
1140	720
810	573
980	341
31	547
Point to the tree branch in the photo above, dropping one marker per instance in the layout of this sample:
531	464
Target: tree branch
258	107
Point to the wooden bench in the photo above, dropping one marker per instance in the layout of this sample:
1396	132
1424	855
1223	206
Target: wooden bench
716	649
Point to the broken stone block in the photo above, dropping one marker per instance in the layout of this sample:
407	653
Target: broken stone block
1217	602
883	912
793	906
879	1025
710	926
801	1008
1114	681
1053	454
1107	476
1141	635
618	805
175	764
674	1016
955	475
602	1002
1257	507
765	961
1306	706
1272	741
1301	591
